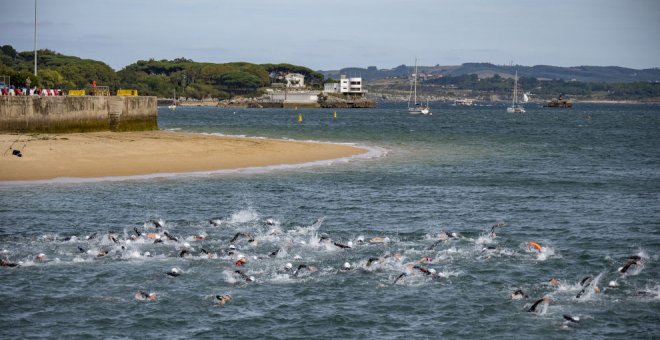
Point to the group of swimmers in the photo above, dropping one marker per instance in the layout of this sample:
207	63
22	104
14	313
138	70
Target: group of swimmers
587	285
154	232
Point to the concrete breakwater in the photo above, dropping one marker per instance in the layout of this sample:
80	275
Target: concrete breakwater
77	114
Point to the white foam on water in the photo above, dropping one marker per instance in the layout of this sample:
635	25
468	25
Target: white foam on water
243	216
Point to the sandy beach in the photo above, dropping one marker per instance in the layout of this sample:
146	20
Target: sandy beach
103	154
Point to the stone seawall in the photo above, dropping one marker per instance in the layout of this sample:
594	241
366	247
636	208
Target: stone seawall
77	114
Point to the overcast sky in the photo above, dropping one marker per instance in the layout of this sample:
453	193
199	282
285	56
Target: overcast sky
343	33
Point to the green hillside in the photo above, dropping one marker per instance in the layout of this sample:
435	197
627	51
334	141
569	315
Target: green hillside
150	77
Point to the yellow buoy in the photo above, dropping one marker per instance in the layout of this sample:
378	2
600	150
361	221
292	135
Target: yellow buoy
300	117
334	115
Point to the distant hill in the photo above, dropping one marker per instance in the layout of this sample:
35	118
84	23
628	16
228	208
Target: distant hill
606	74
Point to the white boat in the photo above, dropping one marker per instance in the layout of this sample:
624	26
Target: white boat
515	107
173	106
417	108
463	102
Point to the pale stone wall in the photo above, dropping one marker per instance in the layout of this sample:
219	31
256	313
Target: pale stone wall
77	114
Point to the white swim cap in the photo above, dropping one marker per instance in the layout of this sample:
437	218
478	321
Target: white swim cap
174	270
252	278
350	243
302	242
613	284
347	265
187	245
231	246
432	271
297	257
386	239
241	256
146	253
288	265
360	238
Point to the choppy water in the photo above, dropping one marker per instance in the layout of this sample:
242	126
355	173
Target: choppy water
583	183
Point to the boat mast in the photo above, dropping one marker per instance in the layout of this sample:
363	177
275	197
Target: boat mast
415	80
515	89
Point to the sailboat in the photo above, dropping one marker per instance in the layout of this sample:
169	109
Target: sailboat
417	108
515	107
173	106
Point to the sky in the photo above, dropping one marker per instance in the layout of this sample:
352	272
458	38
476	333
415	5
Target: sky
329	35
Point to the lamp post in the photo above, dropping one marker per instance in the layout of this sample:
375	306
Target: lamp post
35	38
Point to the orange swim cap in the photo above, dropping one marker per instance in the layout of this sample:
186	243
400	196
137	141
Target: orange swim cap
535	245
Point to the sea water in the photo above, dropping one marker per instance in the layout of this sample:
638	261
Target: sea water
583	183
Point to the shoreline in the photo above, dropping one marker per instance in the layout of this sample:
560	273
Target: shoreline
120	156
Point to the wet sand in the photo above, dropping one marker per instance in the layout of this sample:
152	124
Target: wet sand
104	154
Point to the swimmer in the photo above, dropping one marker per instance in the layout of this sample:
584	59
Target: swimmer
158	240
613	284
573	319
399	278
241	235
81	249
586	280
184	253
545	301
102	252
222	299
7	263
495	226
324	238
273	254
630	261
434	244
173	273
554	282
199	238
269	221
534	245
113	237
424	270
360	240
646	293
141	296
372	260
216	222
244	277
518	294
170	237
311	269
91	237
241	261
137	232
349	245
41	257
288	266
346	266
156	224
378	239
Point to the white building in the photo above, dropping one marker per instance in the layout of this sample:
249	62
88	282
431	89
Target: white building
294	80
352	85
